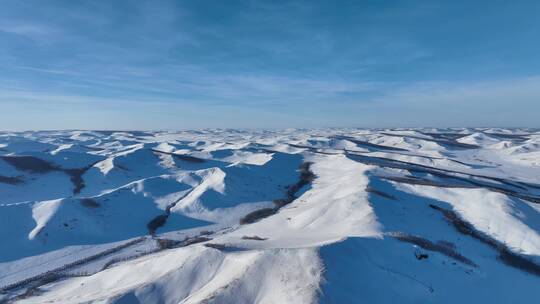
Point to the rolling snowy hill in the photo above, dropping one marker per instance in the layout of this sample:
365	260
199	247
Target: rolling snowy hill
292	216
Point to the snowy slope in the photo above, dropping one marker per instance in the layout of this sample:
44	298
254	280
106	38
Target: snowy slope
291	216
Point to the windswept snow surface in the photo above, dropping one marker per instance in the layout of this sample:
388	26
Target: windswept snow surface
291	216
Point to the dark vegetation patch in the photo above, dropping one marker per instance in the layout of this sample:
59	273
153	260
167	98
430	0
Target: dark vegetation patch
447	135
33	283
160	220
280	202
311	149
445	141
256	215
535	186
75	176
464	182
513	137
60	272
254	238
195	240
421	256
11	180
168	243
90	203
380	193
34	290
412	180
413	167
376	146
367	144
306	177
156	222
447	244
505	254
30	164
33	164
224	247
468	164
220	247
162	244
426	244
518	261
30	292
187	158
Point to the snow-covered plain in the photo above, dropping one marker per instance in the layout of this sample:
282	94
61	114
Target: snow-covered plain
291	216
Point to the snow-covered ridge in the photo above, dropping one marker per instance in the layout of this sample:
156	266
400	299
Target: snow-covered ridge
291	216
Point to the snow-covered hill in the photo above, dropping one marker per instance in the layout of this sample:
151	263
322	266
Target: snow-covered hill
292	216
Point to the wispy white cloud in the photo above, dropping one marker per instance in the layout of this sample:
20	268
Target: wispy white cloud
501	93
48	71
510	102
38	32
356	64
196	87
25	29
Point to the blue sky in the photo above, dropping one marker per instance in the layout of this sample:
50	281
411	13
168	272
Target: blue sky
268	64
